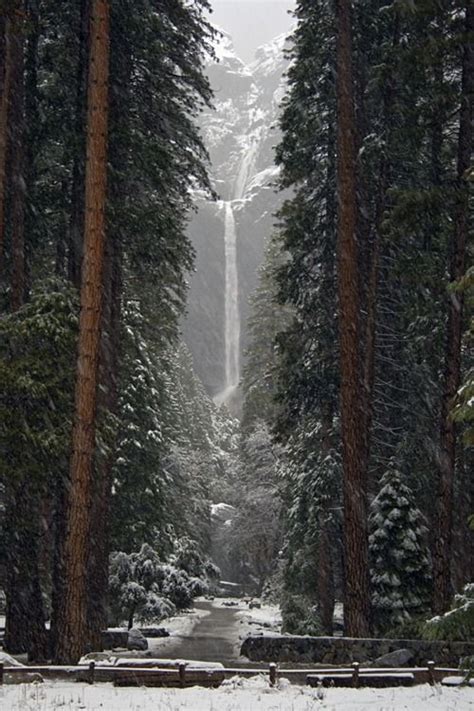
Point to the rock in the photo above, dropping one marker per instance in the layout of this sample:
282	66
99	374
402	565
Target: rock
398	658
114	637
9	661
23	678
136	641
98	657
255	604
154	632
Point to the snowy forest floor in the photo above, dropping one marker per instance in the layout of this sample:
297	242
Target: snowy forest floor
213	631
236	695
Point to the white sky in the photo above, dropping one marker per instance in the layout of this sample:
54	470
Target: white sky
252	22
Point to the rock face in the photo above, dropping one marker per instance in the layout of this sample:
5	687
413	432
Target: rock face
136	641
344	650
240	135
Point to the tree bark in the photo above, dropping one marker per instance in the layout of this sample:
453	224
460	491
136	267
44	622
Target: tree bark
98	564
356	593
98	567
5	79
76	223
18	192
452	366
25	619
73	628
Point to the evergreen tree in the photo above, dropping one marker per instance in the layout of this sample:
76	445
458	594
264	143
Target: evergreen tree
400	568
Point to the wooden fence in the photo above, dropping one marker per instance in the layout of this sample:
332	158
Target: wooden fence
185	674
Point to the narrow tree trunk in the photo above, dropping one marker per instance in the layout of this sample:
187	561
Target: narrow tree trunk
18	192
73	627
76	223
356	594
452	367
326	592
4	111
32	122
59	530
325	582
25	619
24	625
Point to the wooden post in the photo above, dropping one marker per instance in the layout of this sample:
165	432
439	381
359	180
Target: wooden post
1	673
91	672
273	673
182	673
355	674
431	673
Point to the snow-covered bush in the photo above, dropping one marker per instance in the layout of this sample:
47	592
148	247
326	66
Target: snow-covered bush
143	586
135	587
399	556
456	624
187	557
177	587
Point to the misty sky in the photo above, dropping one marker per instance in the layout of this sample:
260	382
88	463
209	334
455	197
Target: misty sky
252	22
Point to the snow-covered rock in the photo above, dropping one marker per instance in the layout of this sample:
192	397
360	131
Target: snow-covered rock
398	658
136	641
22	677
97	657
114	638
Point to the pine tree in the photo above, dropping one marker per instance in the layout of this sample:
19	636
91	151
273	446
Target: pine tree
400	569
452	369
356	598
72	621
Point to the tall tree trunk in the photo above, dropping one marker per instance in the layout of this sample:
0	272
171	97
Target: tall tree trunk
452	365
5	80
98	564
18	193
325	585
32	122
356	593
98	568
25	619
73	629
76	223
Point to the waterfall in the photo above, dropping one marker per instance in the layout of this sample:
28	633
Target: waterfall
232	315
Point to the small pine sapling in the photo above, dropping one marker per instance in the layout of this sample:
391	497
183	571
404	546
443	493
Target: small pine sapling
399	556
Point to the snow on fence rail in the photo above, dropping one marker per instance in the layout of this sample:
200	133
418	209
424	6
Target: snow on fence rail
182	676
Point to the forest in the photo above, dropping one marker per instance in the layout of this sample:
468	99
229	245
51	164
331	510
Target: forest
349	468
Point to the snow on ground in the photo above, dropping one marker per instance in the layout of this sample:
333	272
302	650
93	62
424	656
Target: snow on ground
182	625
237	695
254	621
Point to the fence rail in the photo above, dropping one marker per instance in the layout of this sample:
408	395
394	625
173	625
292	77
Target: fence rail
185	674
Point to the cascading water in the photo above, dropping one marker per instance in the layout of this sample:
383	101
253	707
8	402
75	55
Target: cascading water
232	316
232	313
